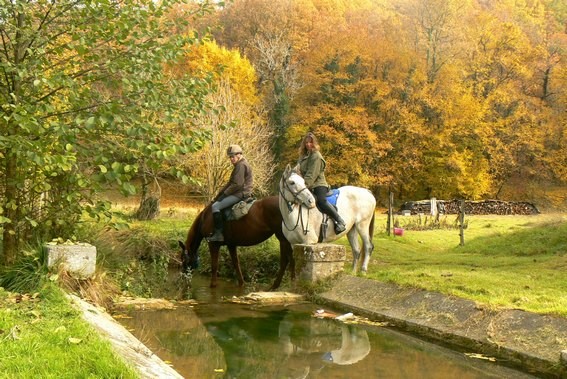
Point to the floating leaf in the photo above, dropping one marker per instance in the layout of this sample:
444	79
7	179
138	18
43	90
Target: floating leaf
480	356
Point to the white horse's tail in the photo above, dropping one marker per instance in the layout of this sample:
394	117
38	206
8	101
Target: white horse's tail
371	227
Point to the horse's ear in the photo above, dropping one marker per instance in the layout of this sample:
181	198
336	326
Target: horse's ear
287	170
296	169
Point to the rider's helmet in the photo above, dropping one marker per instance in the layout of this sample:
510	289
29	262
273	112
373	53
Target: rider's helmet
233	150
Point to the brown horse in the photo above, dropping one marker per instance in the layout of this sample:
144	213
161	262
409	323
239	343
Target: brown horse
262	221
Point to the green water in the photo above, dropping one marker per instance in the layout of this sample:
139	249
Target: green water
219	339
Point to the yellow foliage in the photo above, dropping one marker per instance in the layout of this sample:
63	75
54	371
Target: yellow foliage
226	64
437	96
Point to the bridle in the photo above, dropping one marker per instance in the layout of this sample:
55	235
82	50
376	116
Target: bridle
289	203
295	194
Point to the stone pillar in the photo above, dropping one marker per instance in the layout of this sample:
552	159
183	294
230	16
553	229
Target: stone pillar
318	261
77	259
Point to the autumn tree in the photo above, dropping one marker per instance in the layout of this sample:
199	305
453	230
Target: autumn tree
458	98
262	30
238	119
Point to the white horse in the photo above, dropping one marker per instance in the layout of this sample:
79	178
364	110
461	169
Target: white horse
302	220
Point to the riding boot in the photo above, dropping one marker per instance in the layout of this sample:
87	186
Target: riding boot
339	222
339	225
217	236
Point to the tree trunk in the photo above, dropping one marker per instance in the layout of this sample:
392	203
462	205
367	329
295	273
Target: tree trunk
10	240
149	202
149	209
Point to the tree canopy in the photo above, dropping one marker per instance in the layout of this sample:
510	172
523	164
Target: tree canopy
458	98
87	101
453	98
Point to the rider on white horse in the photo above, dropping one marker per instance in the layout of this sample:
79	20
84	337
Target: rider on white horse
312	168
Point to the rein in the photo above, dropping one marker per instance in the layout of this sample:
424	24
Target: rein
304	226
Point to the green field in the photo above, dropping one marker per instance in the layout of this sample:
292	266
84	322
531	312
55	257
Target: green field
506	261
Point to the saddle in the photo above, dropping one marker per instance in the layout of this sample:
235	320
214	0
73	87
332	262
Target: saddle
238	210
332	197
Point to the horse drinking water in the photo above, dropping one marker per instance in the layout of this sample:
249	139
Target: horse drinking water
302	220
262	221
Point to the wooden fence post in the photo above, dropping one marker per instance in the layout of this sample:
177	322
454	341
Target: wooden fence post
462	222
390	212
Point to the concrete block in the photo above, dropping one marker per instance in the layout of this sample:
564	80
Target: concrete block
318	261
77	259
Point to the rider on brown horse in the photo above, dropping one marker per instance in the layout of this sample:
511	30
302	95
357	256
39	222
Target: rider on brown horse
239	187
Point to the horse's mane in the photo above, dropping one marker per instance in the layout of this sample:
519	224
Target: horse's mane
195	234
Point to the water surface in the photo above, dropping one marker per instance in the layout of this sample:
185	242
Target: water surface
219	339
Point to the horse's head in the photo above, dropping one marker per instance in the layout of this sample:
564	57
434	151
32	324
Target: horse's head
189	258
190	249
293	189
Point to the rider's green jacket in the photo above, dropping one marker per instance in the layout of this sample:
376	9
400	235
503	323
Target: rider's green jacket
312	168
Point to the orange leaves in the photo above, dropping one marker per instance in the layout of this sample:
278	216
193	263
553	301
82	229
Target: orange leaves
449	96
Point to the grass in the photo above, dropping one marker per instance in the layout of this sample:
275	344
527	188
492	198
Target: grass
507	261
42	336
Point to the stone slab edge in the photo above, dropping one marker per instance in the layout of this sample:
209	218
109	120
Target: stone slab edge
134	352
507	335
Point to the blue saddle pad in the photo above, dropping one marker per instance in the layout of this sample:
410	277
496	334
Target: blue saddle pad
332	198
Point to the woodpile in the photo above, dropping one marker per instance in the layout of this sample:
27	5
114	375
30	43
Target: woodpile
484	207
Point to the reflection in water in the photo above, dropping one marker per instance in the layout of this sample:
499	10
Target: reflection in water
215	339
354	347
